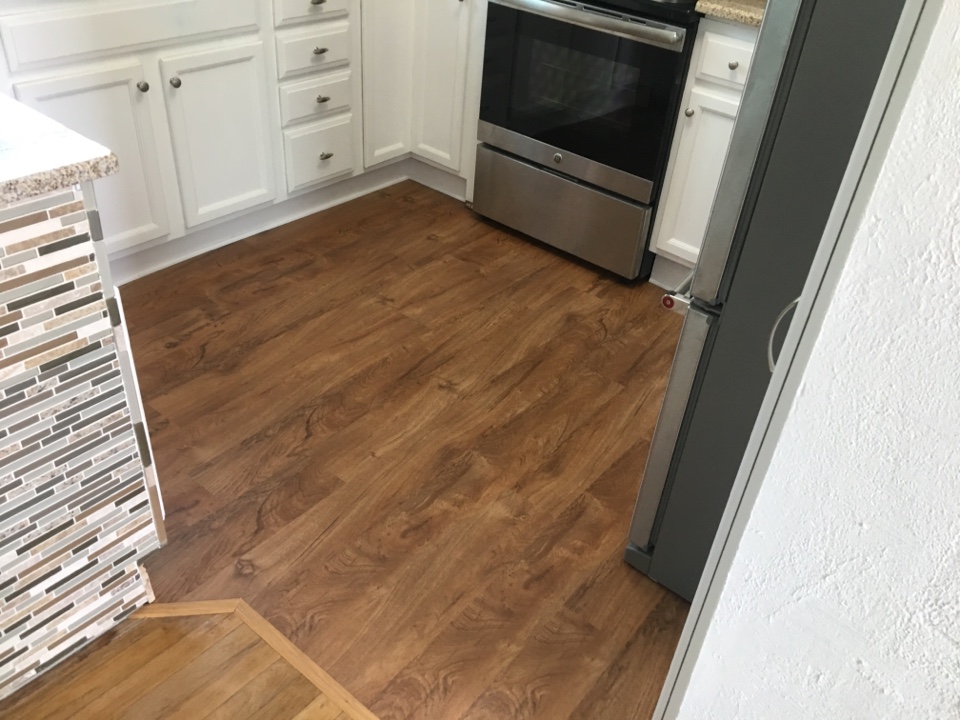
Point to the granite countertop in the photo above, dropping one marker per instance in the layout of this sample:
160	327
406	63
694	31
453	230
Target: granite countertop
745	12
39	155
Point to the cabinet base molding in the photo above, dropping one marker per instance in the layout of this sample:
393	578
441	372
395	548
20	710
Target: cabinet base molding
136	263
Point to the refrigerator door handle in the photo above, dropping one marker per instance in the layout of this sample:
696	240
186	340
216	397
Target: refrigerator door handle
693	339
678	300
771	361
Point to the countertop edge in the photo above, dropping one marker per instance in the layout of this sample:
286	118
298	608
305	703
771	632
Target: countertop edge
720	10
47	181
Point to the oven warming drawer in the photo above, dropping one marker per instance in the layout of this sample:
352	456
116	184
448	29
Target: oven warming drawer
597	227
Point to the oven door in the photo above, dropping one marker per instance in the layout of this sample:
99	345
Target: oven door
589	94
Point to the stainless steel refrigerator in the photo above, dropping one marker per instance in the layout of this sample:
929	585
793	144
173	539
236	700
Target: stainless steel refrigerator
814	72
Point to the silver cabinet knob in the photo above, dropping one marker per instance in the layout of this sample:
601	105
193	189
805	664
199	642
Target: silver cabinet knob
323	99
143	86
317	2
326	155
689	112
320	51
175	82
558	159
733	64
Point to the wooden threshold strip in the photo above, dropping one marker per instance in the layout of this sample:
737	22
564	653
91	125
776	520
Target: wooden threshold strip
272	637
204	607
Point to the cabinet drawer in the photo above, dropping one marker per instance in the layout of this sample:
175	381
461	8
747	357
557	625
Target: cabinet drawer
315	98
305	146
725	59
325	45
292	11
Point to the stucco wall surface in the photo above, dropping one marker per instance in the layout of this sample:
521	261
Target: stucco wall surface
844	598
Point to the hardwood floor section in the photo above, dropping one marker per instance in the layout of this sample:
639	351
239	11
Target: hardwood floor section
188	662
413	441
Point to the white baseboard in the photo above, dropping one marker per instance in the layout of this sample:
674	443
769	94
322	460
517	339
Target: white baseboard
136	263
437	179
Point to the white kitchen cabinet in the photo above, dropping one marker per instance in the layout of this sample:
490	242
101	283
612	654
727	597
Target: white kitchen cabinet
44	31
724	60
219	122
718	69
321	112
318	152
320	46
316	98
439	77
414	79
294	11
705	128
387	51
112	106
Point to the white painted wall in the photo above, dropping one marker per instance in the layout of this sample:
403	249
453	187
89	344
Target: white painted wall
844	598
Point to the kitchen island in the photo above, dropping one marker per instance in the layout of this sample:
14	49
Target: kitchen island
79	505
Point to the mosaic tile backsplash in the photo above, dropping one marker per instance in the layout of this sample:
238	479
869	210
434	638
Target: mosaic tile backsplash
75	503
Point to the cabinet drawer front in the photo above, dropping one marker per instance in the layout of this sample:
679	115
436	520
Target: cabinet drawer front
292	11
298	53
305	146
725	60
315	98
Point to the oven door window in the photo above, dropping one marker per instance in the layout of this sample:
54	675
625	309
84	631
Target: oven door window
598	95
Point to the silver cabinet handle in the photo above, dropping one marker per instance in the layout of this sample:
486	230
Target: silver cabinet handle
317	2
326	155
733	64
689	112
320	51
771	361
175	81
321	99
143	86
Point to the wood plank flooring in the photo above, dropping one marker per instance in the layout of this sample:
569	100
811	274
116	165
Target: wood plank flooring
196	661
413	441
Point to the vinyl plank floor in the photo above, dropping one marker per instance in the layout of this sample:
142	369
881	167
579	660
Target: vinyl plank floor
412	440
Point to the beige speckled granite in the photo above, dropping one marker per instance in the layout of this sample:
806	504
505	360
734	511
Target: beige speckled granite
39	155
745	12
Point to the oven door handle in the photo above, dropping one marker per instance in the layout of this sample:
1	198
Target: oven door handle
658	34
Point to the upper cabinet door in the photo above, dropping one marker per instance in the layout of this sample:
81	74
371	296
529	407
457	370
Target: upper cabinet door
387	48
705	127
217	104
109	107
440	71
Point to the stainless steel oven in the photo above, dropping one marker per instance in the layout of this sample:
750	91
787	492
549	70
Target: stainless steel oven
577	113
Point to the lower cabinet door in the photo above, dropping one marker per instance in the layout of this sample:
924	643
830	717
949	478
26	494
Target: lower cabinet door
112	107
217	105
318	152
388	51
705	127
439	84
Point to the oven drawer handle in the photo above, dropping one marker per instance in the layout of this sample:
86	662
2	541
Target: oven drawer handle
664	36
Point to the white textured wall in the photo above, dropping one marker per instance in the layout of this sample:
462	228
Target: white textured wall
844	598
